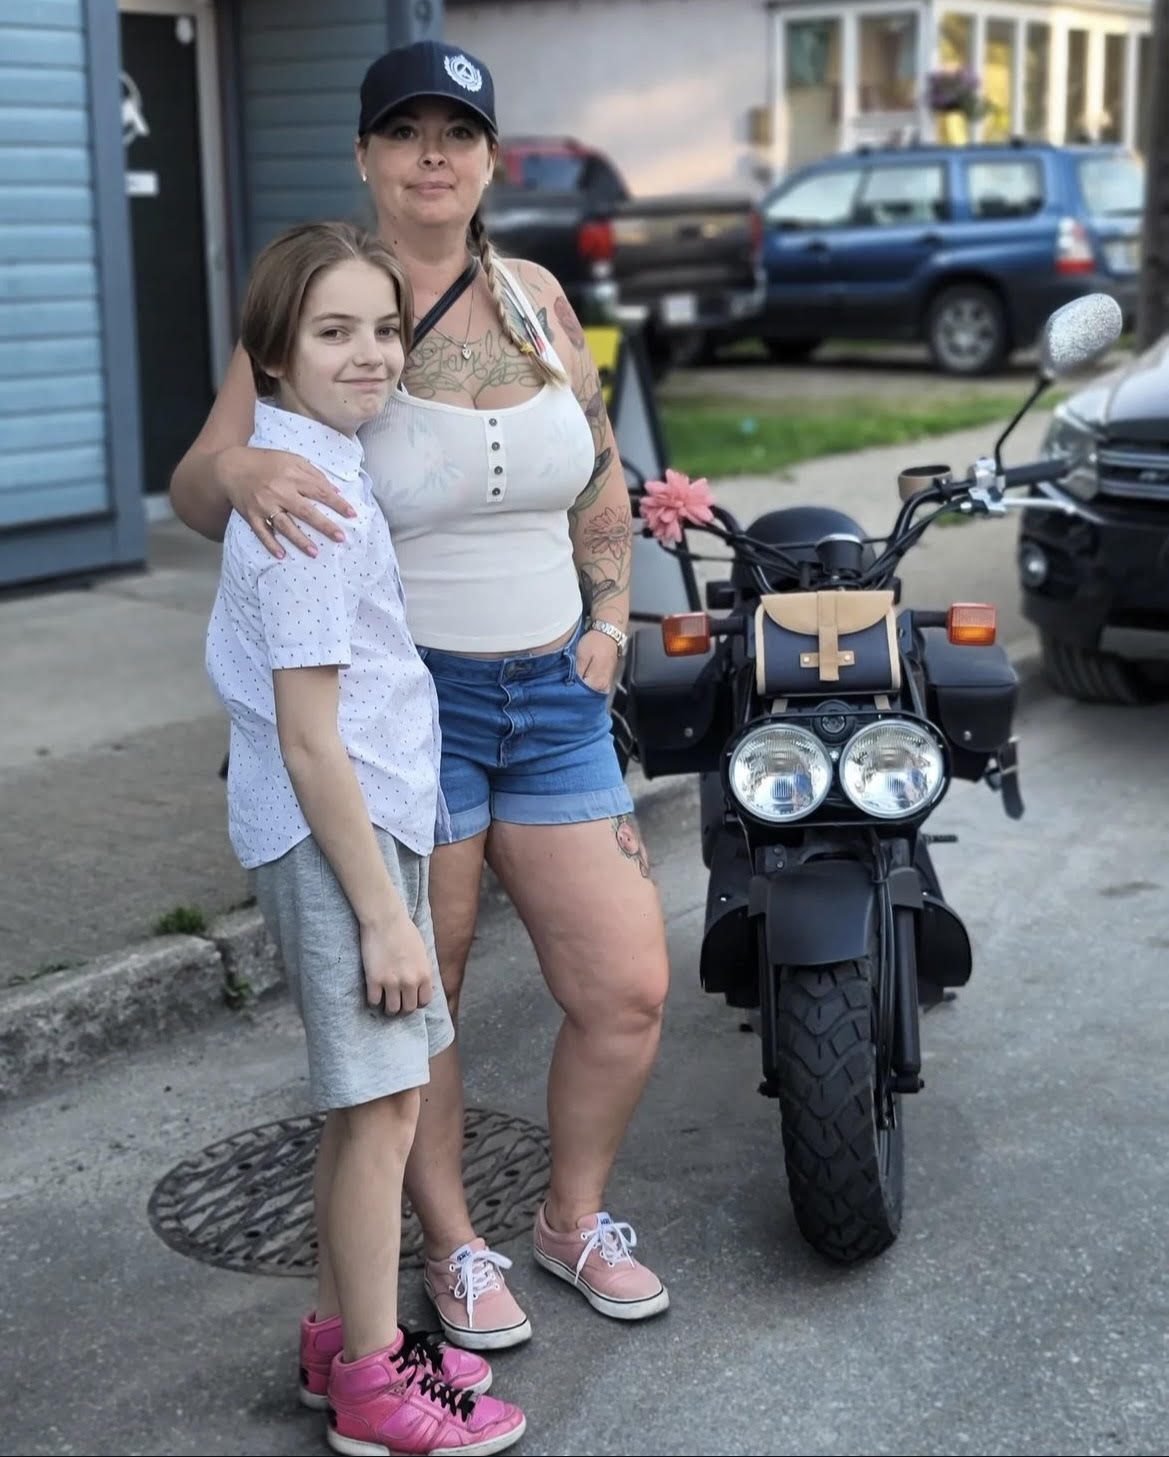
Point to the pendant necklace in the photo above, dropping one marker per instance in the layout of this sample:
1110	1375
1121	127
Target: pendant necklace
464	348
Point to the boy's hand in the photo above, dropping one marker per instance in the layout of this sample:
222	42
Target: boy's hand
398	972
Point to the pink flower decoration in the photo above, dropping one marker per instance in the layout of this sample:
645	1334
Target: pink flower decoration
667	504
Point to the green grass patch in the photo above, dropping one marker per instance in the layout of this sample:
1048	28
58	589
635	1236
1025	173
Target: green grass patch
181	921
733	438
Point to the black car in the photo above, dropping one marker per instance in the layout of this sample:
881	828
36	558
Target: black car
1097	587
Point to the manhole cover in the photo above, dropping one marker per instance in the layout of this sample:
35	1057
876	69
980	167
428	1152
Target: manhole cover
247	1203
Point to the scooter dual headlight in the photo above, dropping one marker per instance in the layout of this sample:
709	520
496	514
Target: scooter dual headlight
892	769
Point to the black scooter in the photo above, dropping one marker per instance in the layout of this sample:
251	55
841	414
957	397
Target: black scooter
825	726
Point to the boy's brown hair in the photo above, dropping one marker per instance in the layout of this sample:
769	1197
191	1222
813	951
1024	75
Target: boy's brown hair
282	276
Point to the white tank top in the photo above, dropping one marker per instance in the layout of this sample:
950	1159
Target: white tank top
477	502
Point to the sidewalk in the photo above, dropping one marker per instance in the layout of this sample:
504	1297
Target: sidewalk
111	809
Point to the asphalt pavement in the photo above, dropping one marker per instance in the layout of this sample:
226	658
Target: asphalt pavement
1025	1308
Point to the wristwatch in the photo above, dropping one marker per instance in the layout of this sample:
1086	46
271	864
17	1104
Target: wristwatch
594	624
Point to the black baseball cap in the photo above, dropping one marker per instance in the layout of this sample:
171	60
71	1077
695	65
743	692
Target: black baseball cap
426	68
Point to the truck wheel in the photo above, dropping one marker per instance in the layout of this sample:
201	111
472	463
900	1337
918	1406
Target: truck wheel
845	1174
967	330
791	351
1091	677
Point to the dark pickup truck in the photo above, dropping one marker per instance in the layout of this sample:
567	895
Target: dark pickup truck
680	265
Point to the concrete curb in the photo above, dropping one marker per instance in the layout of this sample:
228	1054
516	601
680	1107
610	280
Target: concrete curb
62	1023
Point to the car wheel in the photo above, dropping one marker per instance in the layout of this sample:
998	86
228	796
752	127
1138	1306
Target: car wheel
791	351
967	330
1092	677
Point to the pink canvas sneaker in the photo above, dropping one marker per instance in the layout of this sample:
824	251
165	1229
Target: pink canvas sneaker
387	1402
476	1308
597	1257
321	1340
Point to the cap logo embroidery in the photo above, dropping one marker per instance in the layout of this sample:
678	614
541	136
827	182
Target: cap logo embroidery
463	73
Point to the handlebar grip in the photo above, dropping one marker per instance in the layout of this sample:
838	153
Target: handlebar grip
1035	474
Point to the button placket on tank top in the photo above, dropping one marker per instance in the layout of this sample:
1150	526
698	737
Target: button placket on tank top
496	458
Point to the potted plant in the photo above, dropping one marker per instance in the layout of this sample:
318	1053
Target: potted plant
954	95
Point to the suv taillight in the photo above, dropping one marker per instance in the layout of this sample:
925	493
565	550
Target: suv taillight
1073	248
594	242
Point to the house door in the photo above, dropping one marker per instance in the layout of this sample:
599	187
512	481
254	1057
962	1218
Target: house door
812	95
177	255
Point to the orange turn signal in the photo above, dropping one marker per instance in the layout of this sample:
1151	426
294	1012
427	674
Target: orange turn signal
686	634
972	624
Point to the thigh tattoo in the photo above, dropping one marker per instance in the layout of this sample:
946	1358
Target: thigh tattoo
630	843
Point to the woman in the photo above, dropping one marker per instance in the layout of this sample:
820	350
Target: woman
498	473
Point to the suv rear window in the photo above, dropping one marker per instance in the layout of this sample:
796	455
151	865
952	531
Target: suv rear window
1011	189
1113	187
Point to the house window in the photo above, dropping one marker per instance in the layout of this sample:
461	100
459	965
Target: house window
956	41
902	196
888	62
1035	80
813	53
1004	189
1075	117
998	82
1112	123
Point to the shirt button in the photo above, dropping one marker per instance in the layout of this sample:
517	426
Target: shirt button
495	445
493	421
496	491
498	470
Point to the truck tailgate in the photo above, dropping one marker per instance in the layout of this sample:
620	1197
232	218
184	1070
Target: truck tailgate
683	244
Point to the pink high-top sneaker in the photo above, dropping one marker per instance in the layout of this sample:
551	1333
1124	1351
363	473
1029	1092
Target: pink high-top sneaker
321	1340
387	1402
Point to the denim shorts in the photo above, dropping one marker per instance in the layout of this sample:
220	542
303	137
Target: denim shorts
524	739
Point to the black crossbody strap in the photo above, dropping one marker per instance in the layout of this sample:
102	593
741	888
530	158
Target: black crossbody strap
456	290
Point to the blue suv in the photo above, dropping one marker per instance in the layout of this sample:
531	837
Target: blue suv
966	248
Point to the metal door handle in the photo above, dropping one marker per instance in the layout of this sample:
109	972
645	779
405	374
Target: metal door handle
931	240
817	245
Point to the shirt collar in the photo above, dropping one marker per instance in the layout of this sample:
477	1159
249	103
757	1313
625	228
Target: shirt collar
336	454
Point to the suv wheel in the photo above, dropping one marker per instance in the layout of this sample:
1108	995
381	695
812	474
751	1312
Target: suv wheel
967	330
1092	677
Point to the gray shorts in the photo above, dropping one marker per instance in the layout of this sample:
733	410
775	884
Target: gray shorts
355	1052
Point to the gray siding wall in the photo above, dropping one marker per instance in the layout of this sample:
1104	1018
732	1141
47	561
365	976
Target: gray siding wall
53	434
301	64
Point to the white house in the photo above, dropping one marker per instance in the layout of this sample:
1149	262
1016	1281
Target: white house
727	94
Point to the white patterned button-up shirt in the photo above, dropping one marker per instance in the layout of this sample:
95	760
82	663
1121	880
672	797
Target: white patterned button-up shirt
344	607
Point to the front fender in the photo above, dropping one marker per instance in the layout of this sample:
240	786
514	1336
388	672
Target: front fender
817	914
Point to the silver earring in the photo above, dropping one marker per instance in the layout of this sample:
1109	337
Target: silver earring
363	177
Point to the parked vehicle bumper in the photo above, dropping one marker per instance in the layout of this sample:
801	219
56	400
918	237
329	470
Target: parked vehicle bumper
1106	586
1033	305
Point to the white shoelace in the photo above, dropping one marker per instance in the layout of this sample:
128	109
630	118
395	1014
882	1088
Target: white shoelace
476	1271
615	1242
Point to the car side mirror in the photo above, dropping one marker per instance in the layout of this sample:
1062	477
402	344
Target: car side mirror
1079	334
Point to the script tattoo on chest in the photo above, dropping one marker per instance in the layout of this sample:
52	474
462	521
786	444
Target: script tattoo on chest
437	369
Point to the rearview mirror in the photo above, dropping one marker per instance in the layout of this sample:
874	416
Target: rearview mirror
917	477
1079	334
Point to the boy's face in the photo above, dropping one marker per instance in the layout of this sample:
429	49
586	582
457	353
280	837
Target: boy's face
348	354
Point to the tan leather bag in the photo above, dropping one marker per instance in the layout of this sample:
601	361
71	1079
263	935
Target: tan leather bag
812	642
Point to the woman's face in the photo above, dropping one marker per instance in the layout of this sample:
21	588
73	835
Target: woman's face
427	165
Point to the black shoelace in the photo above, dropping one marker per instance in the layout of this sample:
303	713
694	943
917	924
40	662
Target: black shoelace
422	1347
419	1350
